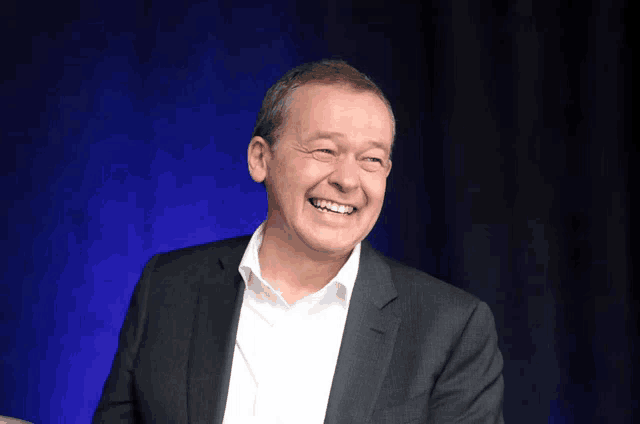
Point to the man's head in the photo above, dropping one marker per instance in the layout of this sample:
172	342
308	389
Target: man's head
330	141
277	102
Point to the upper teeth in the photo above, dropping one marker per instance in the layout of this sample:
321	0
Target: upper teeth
336	207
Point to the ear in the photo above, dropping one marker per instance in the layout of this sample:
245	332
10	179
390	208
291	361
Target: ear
258	155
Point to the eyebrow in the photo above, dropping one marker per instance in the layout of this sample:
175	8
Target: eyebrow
336	135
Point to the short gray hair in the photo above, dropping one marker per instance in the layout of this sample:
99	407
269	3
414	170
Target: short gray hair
273	112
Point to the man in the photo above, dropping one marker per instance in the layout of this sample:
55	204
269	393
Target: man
304	322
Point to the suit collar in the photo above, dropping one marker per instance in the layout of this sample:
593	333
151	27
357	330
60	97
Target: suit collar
213	336
375	275
367	342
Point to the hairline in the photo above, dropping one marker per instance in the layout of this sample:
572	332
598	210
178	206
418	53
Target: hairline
288	98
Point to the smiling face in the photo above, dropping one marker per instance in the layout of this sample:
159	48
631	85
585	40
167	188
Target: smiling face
335	146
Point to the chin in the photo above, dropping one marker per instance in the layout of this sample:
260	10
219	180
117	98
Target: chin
328	244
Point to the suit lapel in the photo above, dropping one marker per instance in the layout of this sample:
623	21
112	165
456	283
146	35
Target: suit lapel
214	334
367	343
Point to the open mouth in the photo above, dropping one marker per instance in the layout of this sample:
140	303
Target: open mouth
348	210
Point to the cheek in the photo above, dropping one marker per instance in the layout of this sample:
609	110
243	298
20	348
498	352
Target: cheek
294	182
303	174
375	191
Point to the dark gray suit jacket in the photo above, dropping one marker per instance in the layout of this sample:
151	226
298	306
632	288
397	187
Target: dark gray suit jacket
414	349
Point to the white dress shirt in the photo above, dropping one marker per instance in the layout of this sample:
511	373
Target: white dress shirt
285	355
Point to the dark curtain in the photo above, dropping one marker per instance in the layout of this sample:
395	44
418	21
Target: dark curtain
524	169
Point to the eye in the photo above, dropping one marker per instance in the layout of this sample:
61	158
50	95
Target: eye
323	154
373	164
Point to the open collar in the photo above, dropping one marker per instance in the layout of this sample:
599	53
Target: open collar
344	280
365	352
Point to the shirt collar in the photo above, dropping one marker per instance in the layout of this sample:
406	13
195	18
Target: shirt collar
340	286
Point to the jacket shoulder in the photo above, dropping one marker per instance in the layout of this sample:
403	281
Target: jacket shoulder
423	294
436	312
413	279
221	253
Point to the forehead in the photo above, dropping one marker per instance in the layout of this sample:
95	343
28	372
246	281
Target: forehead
332	108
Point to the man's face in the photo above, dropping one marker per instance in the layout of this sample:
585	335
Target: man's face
334	147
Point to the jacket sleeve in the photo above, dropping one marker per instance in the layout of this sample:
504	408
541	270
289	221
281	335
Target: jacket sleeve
470	387
118	402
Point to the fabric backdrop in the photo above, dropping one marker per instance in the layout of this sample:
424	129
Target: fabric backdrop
124	130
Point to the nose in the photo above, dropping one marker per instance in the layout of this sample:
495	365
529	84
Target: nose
345	176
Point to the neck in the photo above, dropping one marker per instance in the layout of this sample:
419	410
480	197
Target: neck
292	267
